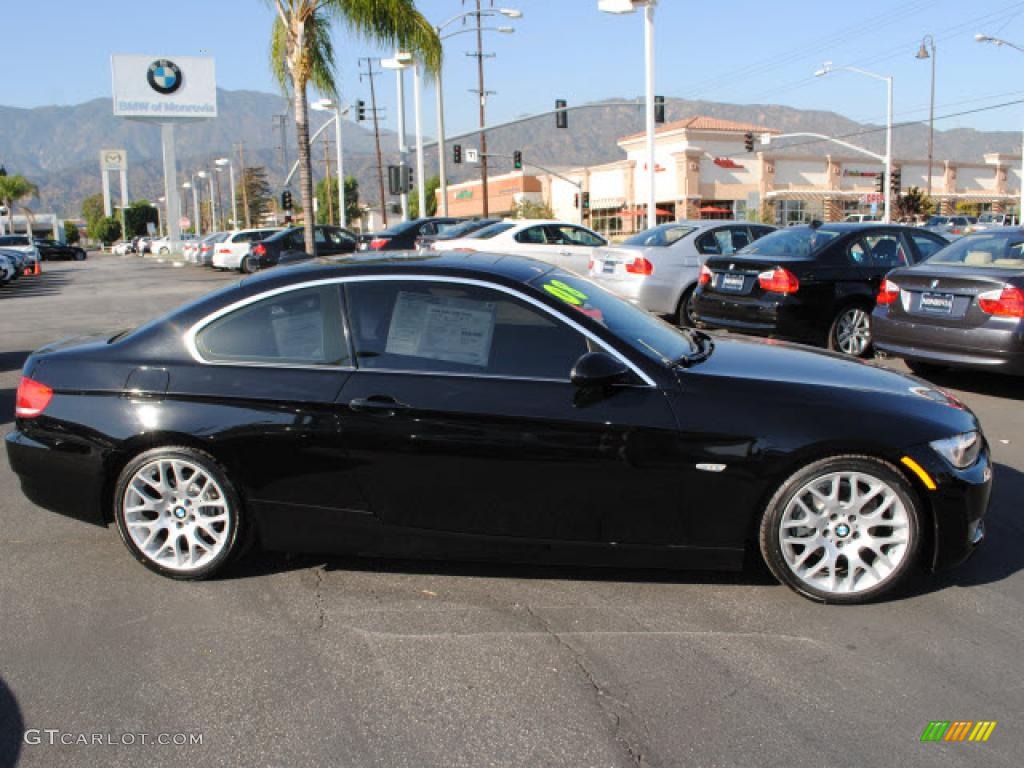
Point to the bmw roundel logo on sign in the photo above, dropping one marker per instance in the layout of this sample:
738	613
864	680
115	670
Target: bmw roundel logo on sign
164	76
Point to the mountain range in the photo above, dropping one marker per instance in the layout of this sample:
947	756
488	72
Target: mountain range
57	147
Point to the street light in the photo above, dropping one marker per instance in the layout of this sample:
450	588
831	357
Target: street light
510	13
196	213
234	195
827	68
629	6
213	200
326	105
980	38
402	60
922	53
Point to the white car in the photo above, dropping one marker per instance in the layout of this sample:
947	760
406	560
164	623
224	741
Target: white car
122	248
228	253
25	245
561	243
164	245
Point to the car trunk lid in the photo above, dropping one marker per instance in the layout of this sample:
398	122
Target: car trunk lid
945	296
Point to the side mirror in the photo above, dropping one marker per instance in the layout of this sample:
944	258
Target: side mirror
598	369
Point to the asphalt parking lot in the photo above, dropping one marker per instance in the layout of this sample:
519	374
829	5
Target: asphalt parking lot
347	662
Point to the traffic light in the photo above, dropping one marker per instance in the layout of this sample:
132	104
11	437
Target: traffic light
659	109
880	183
394	180
286	200
409	178
576	200
457	153
561	116
517	160
360	110
748	141
586	200
895	180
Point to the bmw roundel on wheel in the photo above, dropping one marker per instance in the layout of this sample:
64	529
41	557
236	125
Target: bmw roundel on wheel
479	406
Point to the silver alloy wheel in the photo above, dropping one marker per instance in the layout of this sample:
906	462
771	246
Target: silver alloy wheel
853	331
176	514
844	532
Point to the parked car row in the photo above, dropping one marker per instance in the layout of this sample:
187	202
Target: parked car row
16	262
24	245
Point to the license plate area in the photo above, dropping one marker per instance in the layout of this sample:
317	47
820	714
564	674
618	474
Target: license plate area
937	303
608	268
731	282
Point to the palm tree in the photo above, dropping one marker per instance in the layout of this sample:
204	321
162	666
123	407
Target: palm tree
302	54
13	189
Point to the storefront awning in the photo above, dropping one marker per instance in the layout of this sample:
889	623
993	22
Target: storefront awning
643	212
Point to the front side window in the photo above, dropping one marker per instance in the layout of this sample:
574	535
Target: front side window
440	327
301	327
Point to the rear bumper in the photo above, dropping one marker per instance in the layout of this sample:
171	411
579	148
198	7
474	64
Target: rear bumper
772	315
659	297
58	475
989	347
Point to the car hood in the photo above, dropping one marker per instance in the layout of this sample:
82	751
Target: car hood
800	375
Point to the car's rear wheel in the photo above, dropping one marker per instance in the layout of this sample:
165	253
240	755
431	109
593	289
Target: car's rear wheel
178	513
79	255
685	314
850	332
248	265
842	530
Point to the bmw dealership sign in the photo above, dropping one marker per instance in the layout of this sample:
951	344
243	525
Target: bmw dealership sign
163	88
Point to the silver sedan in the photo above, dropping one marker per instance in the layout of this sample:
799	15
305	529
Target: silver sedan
657	269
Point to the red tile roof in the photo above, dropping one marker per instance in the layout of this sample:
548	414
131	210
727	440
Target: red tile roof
705	123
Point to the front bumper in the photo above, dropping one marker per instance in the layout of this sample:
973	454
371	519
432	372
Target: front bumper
958	505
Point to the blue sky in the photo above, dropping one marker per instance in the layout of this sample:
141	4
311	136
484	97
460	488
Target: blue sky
744	51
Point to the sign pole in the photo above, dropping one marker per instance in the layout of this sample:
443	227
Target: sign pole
172	209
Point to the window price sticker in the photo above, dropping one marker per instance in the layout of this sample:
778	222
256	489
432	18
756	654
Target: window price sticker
440	328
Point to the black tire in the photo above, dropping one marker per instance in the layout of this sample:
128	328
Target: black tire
79	255
248	265
849	543
922	369
857	315
685	315
237	534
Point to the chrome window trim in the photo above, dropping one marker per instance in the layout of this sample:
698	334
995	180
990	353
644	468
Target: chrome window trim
189	337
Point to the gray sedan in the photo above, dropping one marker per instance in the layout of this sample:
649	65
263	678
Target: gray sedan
658	268
962	307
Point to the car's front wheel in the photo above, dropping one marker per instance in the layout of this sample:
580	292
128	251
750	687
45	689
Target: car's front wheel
178	513
850	332
842	530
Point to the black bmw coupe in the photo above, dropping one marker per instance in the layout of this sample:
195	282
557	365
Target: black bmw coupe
474	406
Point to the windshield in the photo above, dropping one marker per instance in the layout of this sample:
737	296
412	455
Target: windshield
643	331
794	241
494	229
661	236
987	250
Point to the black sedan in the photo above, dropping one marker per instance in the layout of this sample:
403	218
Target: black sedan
289	246
816	284
481	406
52	249
402	237
963	307
463	228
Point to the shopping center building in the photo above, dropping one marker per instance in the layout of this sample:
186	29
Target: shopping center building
702	170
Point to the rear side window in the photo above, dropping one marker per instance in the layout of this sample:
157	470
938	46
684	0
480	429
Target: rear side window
886	250
491	230
437	327
301	327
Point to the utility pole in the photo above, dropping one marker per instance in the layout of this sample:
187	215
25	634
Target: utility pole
370	74
245	186
281	125
327	181
480	56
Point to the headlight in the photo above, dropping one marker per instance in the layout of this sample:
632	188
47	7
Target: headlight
960	450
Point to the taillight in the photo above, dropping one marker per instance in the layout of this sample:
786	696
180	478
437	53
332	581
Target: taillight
778	280
379	242
259	250
888	293
32	398
204	248
1008	302
640	266
706	275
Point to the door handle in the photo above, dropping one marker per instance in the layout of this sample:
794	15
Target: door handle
385	405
